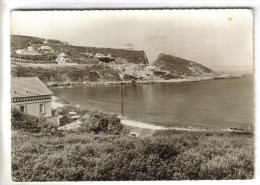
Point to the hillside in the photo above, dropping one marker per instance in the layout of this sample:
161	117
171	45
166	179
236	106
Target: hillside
180	67
23	41
67	75
62	63
47	50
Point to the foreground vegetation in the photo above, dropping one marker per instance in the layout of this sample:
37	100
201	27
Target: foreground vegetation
111	154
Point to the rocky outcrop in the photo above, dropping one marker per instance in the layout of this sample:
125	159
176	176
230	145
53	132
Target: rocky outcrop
180	68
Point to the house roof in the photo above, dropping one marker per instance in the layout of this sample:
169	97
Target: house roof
28	86
63	55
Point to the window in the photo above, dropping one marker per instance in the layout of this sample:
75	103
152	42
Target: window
23	108
42	108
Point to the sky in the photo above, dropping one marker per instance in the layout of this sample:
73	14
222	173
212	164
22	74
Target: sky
210	37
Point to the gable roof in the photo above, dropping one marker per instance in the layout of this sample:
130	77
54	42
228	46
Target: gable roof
28	86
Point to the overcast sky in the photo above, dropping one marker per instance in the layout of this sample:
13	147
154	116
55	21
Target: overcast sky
210	37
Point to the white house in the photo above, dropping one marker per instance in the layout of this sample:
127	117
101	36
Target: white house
99	55
28	51
31	48
19	51
45	48
63	58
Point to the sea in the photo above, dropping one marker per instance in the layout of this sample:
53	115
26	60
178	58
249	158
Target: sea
212	104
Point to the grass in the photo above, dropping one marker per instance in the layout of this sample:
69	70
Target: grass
179	66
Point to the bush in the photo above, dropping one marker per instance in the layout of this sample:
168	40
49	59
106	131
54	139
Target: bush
32	124
21	121
165	155
102	122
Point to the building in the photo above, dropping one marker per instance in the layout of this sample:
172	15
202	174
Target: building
31	96
63	59
45	48
29	51
99	55
31	48
19	51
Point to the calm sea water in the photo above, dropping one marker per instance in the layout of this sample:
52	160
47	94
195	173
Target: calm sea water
214	104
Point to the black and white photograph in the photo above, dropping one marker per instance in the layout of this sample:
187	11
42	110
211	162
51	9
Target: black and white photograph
132	95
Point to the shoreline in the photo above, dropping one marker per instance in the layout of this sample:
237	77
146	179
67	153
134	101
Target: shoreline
54	85
142	125
135	124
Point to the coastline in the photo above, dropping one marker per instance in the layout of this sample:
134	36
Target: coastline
142	125
59	103
129	82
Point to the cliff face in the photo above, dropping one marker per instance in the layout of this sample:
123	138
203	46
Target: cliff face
179	67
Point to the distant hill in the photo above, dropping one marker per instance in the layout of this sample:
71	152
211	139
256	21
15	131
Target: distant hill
180	67
33	50
24	41
78	54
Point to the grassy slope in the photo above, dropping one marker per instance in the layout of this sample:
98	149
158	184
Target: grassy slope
68	74
18	41
165	155
179	66
76	52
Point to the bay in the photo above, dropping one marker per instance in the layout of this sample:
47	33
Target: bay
213	104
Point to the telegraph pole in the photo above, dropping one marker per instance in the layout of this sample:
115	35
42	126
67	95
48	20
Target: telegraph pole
122	99
20	54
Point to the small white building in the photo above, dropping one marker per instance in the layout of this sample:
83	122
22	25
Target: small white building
63	59
28	51
19	51
45	48
89	54
31	48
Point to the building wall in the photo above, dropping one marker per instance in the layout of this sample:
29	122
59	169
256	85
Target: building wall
33	107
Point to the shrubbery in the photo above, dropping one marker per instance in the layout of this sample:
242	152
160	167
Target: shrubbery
32	124
166	155
102	122
21	121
